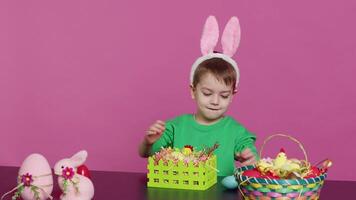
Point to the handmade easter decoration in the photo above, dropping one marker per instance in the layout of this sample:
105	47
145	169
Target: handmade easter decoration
282	177
35	181
230	41
74	186
184	168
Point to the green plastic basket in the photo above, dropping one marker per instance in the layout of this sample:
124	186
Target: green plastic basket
181	176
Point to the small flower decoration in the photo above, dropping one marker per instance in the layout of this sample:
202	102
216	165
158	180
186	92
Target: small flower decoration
68	173
26	179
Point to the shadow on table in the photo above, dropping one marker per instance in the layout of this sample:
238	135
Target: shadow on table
213	193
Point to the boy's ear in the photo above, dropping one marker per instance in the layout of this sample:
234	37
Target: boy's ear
192	89
234	92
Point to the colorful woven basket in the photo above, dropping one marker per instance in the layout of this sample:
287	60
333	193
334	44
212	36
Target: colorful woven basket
181	176
278	189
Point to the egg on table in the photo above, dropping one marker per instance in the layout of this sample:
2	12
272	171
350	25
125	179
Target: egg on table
36	171
229	182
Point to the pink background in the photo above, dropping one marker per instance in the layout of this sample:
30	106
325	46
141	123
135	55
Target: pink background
94	75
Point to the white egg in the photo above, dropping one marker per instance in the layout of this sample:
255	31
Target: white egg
37	166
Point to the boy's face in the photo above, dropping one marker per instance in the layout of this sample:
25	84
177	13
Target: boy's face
213	98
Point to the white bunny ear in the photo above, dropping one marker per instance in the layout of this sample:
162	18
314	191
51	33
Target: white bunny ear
210	36
231	37
79	158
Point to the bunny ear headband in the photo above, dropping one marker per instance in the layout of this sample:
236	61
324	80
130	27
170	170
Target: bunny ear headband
230	41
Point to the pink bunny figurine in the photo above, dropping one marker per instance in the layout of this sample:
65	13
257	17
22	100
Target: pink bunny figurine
74	186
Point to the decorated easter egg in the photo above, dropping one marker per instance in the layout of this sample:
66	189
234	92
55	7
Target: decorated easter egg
83	170
270	175
229	182
35	171
314	172
252	173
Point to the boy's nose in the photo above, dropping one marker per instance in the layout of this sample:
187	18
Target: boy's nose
215	100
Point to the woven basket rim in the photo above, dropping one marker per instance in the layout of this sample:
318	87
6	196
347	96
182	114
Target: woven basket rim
239	178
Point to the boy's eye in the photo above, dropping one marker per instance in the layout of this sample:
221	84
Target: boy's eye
206	94
225	96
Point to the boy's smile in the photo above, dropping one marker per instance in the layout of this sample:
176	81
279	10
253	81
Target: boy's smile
213	98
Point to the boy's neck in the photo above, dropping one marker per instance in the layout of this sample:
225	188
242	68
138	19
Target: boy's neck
201	120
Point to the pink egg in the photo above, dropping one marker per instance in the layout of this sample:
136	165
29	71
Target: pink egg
35	170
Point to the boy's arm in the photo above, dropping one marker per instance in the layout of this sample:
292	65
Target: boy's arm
144	149
248	156
245	149
153	133
156	138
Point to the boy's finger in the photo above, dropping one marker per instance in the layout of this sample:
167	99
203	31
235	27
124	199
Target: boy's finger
160	127
151	132
160	122
154	130
238	156
246	153
249	162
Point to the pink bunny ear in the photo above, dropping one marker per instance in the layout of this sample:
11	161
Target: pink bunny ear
231	37
210	36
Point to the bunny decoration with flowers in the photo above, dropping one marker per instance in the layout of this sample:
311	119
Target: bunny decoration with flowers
34	180
73	185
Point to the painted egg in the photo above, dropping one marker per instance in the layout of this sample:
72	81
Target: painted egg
83	170
35	171
252	173
229	182
314	172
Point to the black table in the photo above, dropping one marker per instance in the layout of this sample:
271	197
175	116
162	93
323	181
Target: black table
124	185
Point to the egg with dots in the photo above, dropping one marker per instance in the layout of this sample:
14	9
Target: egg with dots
35	176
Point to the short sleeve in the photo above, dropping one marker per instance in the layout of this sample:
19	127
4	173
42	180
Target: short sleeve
166	140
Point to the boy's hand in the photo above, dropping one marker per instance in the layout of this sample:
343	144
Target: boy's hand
154	132
246	157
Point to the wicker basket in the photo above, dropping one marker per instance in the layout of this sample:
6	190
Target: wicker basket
182	176
279	189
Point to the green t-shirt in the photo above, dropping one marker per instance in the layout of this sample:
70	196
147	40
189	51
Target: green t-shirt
231	136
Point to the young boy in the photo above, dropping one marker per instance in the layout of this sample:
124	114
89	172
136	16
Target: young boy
214	78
